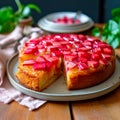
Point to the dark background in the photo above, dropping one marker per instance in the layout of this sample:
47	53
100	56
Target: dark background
98	10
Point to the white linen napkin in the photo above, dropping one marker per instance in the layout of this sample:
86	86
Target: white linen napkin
7	92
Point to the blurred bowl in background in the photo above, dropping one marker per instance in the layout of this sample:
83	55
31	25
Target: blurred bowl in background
48	23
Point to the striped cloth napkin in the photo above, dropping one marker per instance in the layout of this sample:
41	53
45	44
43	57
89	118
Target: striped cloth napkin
7	49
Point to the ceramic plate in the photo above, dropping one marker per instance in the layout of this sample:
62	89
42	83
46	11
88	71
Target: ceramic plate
58	92
46	23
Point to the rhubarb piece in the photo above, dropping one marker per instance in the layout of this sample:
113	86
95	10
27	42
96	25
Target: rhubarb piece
39	66
67	20
93	64
28	62
71	65
82	66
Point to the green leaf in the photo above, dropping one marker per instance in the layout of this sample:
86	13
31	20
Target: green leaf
26	12
34	7
7	27
110	38
115	42
104	37
6	13
7	20
96	32
105	29
113	27
19	5
116	12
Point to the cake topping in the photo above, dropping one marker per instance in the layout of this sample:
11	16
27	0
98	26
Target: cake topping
29	62
82	66
75	49
66	20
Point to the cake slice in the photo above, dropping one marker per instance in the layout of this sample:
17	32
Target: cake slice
35	70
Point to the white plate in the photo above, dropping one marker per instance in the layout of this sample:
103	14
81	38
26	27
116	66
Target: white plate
58	92
46	23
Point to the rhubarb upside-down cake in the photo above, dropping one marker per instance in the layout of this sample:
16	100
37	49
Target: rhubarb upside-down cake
84	61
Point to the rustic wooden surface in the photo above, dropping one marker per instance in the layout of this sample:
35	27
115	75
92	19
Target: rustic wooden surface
106	107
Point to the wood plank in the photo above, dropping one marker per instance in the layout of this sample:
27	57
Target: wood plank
89	110
102	108
54	111
49	111
111	103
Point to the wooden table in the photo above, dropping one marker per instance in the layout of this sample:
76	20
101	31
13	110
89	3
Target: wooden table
106	107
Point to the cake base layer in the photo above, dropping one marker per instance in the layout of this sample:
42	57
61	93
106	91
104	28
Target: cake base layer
39	82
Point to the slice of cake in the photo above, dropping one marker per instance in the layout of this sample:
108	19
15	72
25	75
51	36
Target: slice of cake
83	60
